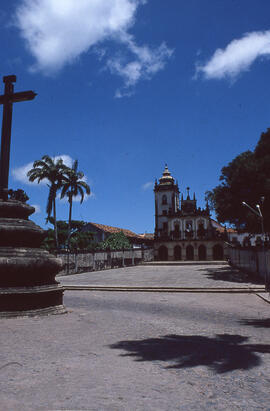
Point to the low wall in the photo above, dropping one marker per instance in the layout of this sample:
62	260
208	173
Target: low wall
253	261
75	263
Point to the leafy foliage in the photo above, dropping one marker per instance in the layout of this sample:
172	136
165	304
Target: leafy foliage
117	241
245	178
72	186
52	170
82	240
71	183
78	240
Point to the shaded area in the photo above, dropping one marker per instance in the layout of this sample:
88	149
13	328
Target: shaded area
262	323
221	354
231	275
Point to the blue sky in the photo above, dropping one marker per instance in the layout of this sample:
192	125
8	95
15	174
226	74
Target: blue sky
125	86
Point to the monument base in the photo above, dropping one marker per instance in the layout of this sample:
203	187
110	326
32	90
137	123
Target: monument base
59	309
27	272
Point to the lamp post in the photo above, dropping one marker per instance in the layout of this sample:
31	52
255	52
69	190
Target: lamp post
260	215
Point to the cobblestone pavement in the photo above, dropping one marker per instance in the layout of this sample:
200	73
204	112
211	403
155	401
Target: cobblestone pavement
166	276
140	351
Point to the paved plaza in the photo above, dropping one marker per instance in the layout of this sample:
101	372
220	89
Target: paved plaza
142	351
189	275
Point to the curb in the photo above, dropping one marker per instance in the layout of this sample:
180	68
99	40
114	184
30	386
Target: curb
163	289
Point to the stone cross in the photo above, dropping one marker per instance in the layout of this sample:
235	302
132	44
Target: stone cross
7	99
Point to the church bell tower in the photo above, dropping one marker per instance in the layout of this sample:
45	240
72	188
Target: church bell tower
166	200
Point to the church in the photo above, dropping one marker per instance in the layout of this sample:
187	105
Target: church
184	231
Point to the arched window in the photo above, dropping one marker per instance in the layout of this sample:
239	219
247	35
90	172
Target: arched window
189	229
176	231
201	232
176	226
164	199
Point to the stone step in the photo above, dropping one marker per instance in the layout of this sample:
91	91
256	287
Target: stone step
222	262
124	288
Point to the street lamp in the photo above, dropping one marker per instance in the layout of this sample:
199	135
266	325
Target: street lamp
260	215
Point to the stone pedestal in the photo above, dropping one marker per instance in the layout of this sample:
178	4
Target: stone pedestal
27	272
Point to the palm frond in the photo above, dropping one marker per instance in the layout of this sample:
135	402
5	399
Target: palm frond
81	193
47	159
64	190
85	186
39	163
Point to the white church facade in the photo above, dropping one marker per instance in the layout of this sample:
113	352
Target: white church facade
184	231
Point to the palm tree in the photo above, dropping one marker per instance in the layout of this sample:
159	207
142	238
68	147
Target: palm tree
72	186
52	170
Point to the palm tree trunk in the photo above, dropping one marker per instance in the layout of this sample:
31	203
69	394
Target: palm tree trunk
69	218
55	225
69	229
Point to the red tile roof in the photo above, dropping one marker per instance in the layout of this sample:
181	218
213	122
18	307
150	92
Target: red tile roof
113	230
147	236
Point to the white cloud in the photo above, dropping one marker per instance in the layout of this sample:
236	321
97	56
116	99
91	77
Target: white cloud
145	63
77	199
237	57
57	32
37	208
67	160
20	173
147	185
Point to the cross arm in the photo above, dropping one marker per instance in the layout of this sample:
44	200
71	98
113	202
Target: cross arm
16	97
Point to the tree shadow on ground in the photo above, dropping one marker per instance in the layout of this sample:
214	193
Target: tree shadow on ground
231	275
221	354
262	323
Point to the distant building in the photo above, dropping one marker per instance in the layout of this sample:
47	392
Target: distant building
184	231
101	232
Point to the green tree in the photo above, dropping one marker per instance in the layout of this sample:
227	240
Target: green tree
82	241
73	185
245	178
49	241
52	170
79	240
116	241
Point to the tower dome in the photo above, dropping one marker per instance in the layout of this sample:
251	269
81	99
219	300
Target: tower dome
166	177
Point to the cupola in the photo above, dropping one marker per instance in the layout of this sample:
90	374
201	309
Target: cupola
166	177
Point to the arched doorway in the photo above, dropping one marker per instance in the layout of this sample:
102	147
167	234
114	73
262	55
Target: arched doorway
163	253
177	253
190	252
218	252
202	252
